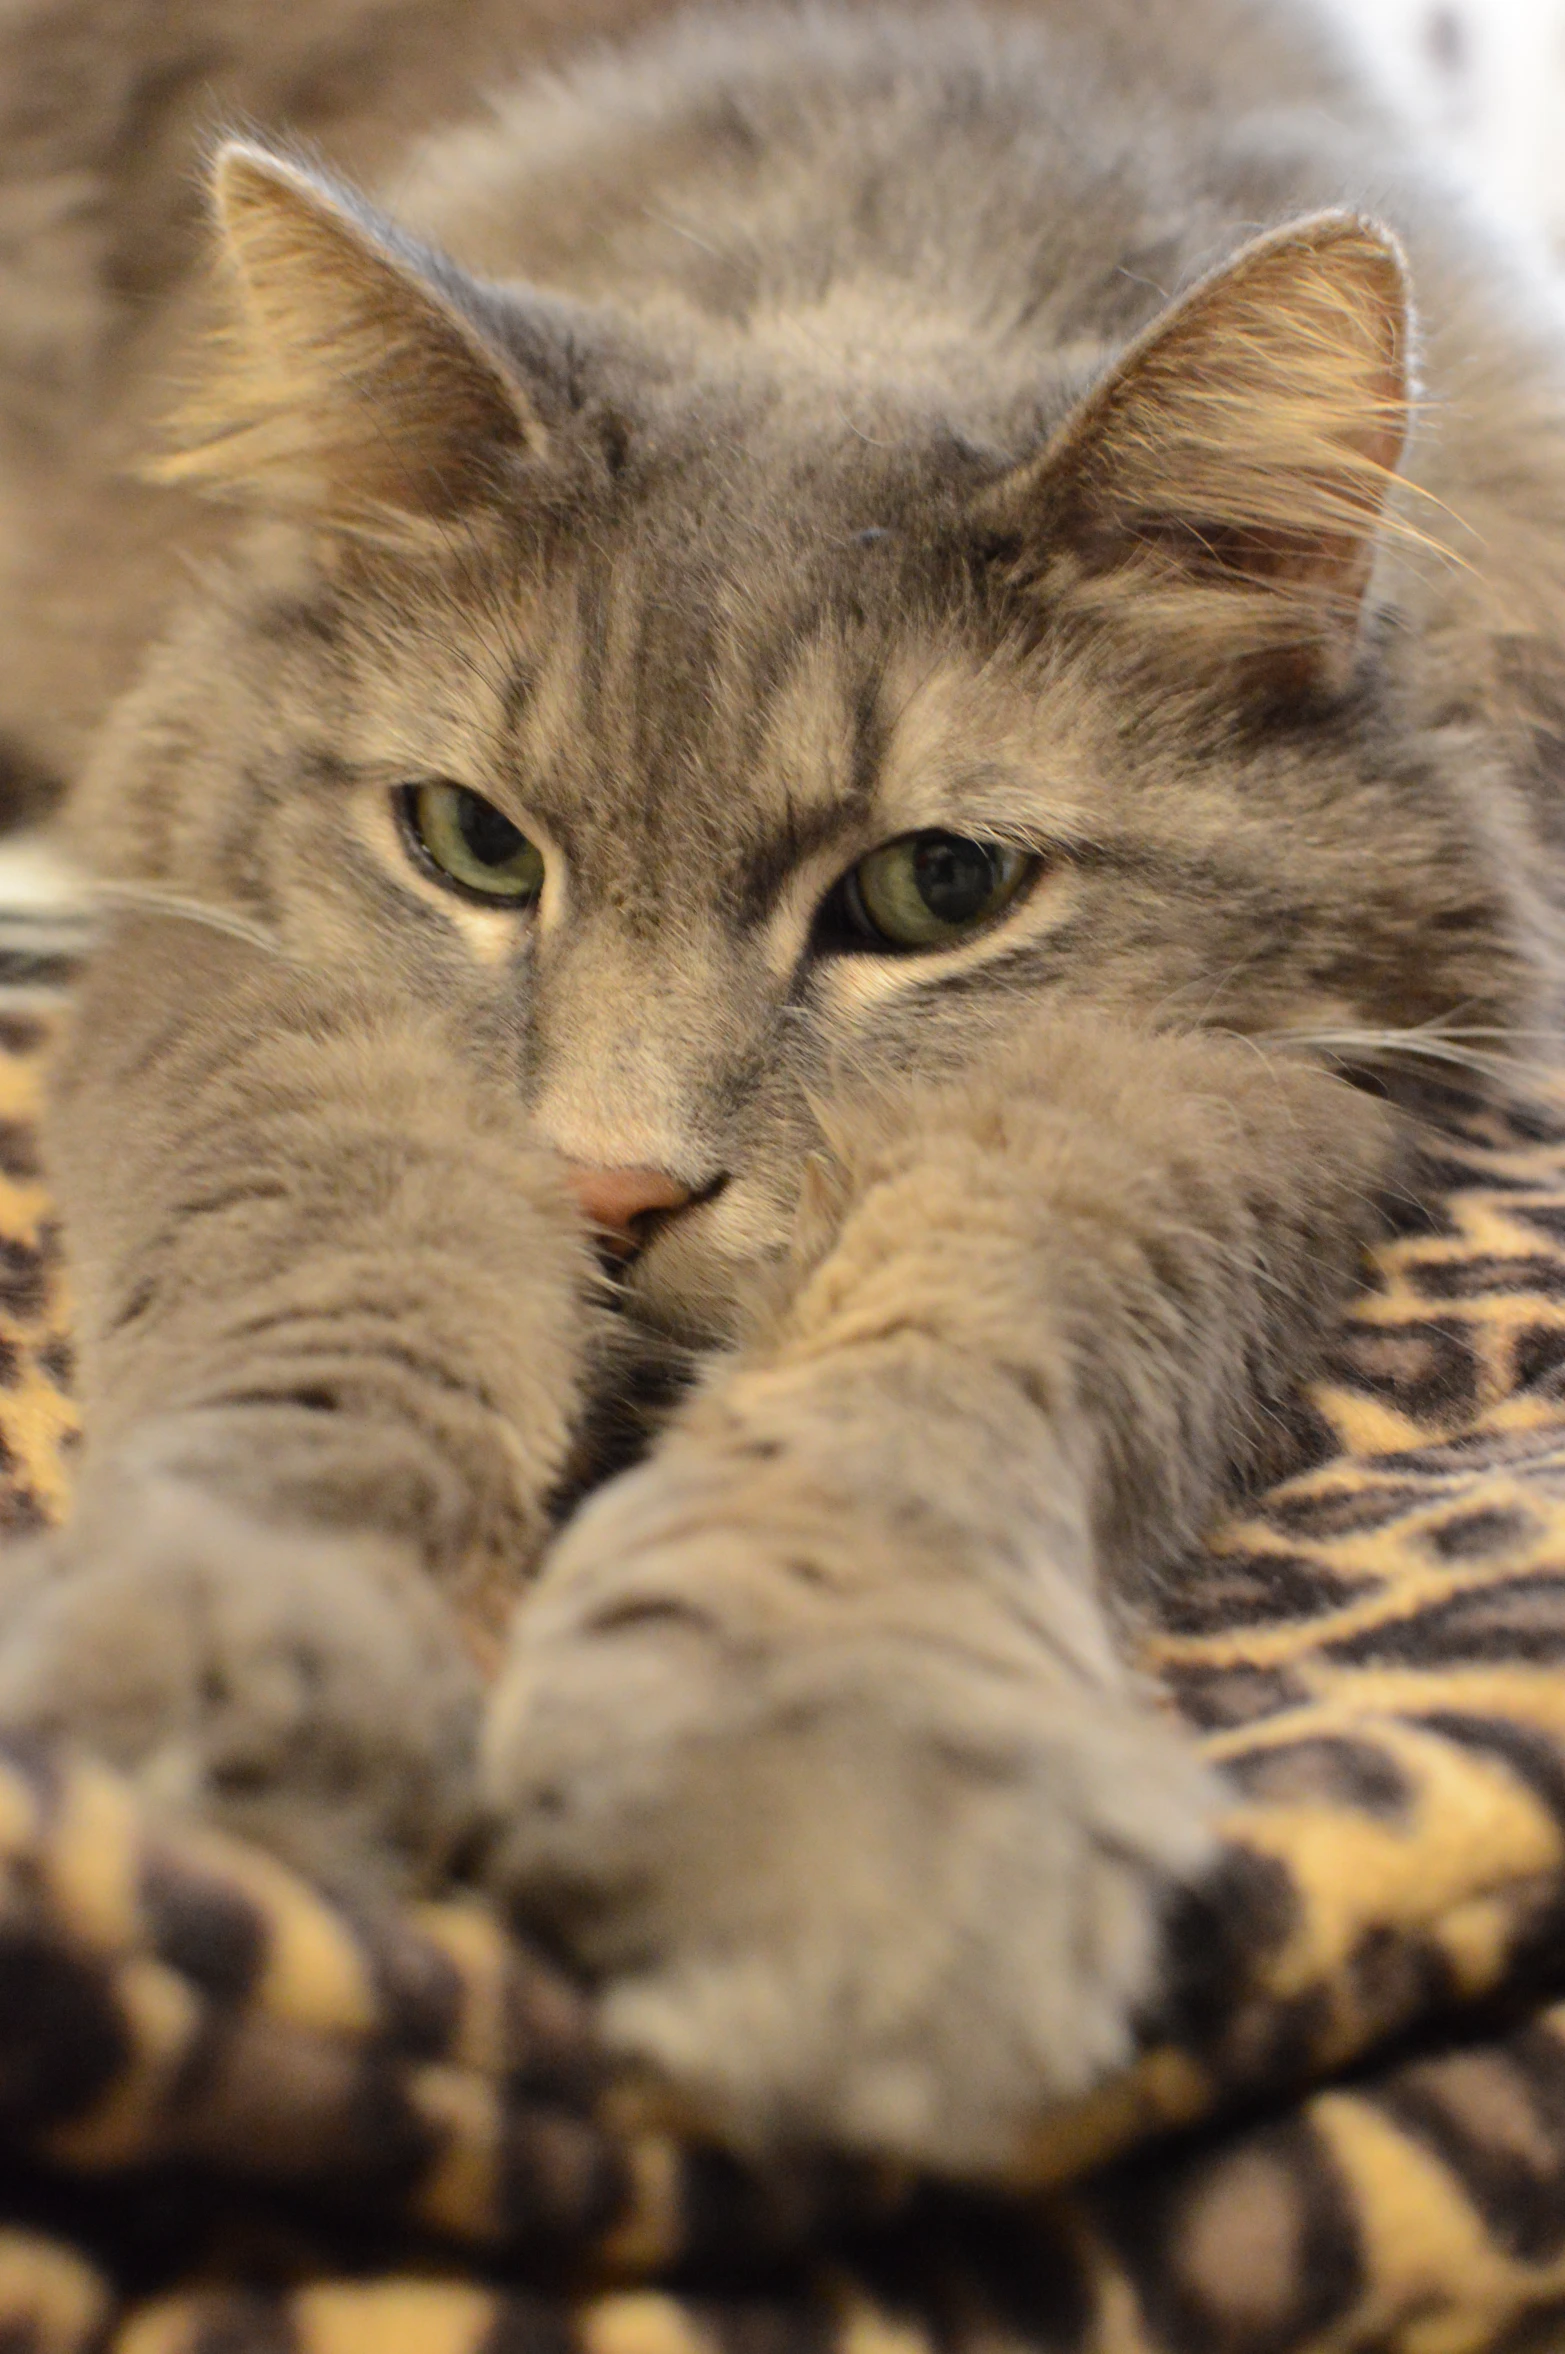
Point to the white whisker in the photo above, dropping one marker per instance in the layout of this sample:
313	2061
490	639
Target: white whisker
157	901
1458	1047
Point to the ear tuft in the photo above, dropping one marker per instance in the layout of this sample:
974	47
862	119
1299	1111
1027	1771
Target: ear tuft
346	384
1230	478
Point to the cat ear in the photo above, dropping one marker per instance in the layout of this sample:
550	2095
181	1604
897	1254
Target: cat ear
1229	480
347	384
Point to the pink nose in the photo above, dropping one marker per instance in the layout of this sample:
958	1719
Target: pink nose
615	1198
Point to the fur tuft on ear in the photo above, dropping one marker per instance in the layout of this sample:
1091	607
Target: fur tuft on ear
1229	479
345	384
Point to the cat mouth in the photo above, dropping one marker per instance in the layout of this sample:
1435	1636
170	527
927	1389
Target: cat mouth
619	1248
696	1266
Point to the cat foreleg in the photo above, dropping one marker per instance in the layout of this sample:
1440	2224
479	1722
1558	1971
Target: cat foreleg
817	1741
336	1318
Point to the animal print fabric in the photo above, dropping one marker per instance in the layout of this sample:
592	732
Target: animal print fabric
239	2116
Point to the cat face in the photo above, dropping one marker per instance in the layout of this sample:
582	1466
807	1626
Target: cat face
705	748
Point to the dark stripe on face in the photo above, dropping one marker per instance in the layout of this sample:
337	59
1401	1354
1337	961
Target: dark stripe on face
770	864
516	693
869	746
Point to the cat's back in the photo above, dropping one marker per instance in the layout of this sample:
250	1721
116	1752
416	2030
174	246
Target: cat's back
1035	171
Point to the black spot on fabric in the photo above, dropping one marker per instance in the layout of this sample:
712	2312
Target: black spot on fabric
1265	2042
1481	1534
18	1149
1544	1217
1412	1217
763	2325
1535	1937
1486	1450
1301	1437
551	2051
1541	2330
24	1278
241	2321
1396	1978
209	1932
1276	2194
561	2182
1538	1359
56	1360
1340	1512
727	2216
391	2144
960	2270
1215	1698
1519	1619
21	1035
10	1363
1487	1276
21	1512
1444	1457
62	2041
527	2325
1443	1174
1219	1591
1495	2115
418	1989
1450	1112
1536	1761
1215	1934
1526	1123
148	2231
1326	1770
1426	1369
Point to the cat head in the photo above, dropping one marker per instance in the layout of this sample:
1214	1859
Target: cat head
704	730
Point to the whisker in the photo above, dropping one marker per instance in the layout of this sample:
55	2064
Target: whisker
158	901
1456	1047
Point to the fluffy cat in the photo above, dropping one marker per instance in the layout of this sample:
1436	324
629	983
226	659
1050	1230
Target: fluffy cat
882	694
106	107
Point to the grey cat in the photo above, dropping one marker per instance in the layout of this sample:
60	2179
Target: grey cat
831	765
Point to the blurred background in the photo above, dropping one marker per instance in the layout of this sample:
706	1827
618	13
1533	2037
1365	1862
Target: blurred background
1489	75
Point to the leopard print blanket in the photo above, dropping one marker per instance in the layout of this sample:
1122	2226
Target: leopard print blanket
237	2117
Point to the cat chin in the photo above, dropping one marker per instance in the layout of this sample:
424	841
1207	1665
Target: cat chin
696	1294
692	1310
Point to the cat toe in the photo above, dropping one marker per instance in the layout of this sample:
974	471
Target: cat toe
883	1903
299	1689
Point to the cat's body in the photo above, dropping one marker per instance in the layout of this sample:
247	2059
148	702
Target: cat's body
855	479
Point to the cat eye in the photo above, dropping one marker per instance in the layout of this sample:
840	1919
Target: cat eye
925	890
472	844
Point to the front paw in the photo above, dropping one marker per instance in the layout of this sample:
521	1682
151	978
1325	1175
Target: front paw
304	1689
885	1880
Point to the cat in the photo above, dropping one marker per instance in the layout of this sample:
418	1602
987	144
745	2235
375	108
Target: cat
106	108
889	664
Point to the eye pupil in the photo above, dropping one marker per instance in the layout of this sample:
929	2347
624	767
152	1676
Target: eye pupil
489	835
926	890
465	842
954	879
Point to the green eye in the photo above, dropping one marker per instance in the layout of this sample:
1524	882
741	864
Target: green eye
927	889
473	844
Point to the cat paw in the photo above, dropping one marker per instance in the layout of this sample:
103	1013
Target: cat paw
840	1881
305	1690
